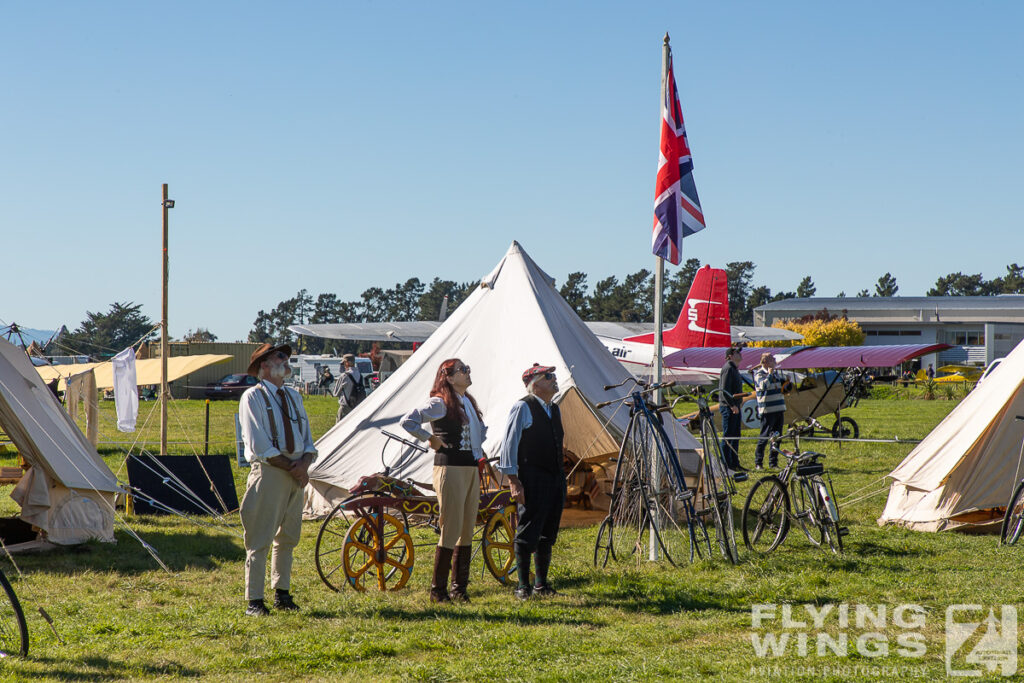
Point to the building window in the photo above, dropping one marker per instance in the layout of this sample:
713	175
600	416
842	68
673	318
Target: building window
966	337
892	333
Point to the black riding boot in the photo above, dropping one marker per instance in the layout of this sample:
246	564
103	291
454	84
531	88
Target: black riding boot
523	570
442	568
460	572
541	585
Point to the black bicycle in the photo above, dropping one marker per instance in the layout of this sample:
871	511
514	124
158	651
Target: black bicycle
642	513
1013	519
801	492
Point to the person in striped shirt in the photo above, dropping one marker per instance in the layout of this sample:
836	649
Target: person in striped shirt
771	405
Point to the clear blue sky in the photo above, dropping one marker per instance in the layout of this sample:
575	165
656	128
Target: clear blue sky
336	146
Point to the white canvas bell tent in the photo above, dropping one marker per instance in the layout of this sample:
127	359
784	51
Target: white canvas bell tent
68	491
964	471
514	318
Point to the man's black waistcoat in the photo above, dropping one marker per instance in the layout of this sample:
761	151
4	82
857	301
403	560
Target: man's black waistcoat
540	446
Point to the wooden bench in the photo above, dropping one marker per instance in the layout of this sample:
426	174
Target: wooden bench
10	475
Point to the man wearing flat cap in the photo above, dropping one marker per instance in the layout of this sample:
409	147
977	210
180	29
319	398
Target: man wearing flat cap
531	458
279	445
345	387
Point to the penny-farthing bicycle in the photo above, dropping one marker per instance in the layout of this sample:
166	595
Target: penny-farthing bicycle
367	541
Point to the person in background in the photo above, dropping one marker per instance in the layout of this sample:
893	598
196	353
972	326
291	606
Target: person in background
326	380
771	405
345	388
531	457
930	372
730	390
457	439
279	446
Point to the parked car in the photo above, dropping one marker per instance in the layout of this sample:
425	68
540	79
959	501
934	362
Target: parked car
365	367
230	386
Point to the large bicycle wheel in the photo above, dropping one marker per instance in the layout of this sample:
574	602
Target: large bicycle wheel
764	520
497	545
717	494
378	551
805	511
603	545
13	629
1013	520
329	541
631	505
670	509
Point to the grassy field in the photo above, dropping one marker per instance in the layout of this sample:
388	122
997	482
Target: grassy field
121	617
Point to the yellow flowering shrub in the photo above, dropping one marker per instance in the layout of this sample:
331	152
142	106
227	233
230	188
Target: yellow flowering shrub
834	332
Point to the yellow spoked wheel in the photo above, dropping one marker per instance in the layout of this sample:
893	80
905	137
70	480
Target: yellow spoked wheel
497	545
378	551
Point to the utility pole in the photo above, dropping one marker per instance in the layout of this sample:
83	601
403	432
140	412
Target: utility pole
164	348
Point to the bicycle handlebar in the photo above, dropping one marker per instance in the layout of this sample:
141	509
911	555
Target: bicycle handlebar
639	382
793	431
649	389
407	442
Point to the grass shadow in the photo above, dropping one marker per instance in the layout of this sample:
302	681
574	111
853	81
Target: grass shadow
180	551
96	668
522	613
866	549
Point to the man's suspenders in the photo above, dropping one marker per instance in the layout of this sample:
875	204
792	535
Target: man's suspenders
270	416
273	421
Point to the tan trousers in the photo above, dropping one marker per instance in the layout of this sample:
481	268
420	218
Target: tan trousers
458	496
271	513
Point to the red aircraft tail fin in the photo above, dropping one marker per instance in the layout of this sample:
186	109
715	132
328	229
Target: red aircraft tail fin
704	320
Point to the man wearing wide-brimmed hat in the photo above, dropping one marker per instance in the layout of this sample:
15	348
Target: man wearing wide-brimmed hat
531	458
279	445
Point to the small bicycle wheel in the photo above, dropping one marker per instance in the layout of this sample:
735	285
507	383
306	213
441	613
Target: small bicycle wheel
497	546
13	629
764	520
329	541
1013	520
805	511
376	550
845	428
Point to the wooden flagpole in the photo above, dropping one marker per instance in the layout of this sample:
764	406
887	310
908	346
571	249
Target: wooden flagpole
164	347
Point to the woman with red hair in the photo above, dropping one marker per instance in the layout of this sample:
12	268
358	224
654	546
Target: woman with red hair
457	437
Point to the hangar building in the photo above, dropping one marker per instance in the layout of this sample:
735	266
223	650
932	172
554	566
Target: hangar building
980	328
